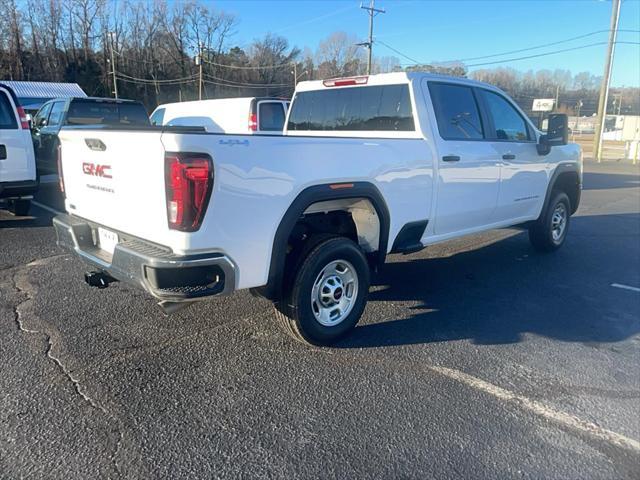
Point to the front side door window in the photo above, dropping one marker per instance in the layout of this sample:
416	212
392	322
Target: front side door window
508	124
42	116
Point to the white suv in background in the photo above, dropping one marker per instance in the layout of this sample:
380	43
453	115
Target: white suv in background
18	180
243	116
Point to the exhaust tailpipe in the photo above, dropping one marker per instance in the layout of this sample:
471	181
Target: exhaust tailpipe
98	279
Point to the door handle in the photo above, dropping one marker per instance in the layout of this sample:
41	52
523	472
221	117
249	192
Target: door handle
508	156
451	158
3	152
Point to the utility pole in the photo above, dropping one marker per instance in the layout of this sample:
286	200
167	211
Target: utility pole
113	65
606	80
373	11
199	63
557	95
617	102
575	127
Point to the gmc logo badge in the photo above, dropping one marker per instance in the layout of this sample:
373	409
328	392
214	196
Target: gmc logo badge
103	171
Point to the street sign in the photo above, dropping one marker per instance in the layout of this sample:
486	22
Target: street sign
542	105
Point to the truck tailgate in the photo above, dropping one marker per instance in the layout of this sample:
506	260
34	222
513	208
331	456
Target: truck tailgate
116	179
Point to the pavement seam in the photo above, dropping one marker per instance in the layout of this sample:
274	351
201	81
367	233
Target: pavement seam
25	290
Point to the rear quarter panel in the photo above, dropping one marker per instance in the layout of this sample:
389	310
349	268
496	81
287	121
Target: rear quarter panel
258	177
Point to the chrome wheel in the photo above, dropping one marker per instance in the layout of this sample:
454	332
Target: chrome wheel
558	222
334	293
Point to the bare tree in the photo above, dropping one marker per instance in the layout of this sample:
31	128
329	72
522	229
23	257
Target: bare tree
339	56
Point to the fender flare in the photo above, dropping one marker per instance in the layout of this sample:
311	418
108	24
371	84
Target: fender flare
307	197
561	170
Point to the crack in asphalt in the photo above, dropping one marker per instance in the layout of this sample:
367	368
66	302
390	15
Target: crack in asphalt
23	287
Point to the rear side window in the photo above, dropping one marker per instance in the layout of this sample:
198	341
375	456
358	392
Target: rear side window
271	116
456	112
158	117
55	117
376	108
7	115
106	113
508	123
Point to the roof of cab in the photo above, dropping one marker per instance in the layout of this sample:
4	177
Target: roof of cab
390	79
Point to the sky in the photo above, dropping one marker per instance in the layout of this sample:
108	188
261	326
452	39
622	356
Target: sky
445	30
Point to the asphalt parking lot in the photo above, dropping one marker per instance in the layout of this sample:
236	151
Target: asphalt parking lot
475	359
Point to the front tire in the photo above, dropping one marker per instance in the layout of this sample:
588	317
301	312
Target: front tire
549	232
327	294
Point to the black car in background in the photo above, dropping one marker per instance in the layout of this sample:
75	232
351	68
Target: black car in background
60	112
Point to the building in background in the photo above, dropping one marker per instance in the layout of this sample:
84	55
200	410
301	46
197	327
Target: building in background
32	95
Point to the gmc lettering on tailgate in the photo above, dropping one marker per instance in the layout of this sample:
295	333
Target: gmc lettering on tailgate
95	170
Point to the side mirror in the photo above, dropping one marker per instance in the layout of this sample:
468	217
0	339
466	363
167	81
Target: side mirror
557	133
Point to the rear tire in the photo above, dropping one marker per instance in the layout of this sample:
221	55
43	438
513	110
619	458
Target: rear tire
21	207
549	232
327	293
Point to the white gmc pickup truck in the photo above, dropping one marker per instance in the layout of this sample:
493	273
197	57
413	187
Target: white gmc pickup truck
367	166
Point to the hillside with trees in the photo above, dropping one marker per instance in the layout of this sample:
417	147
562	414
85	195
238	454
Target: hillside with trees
155	45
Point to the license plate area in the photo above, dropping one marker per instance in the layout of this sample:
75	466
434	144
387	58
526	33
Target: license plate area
107	240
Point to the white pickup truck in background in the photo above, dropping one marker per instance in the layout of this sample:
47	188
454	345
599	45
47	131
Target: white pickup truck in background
18	180
243	115
367	166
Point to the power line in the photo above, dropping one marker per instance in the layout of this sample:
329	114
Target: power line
245	84
151	80
249	67
547	53
542	45
138	82
129	79
223	65
514	58
516	51
398	52
265	86
133	60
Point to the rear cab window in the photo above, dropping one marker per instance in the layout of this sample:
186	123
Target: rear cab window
375	108
106	113
271	116
7	114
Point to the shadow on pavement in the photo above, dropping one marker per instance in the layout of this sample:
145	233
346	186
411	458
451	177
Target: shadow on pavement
496	293
36	219
605	181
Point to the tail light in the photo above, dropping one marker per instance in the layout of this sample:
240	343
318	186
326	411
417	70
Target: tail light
60	175
24	121
189	179
253	122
